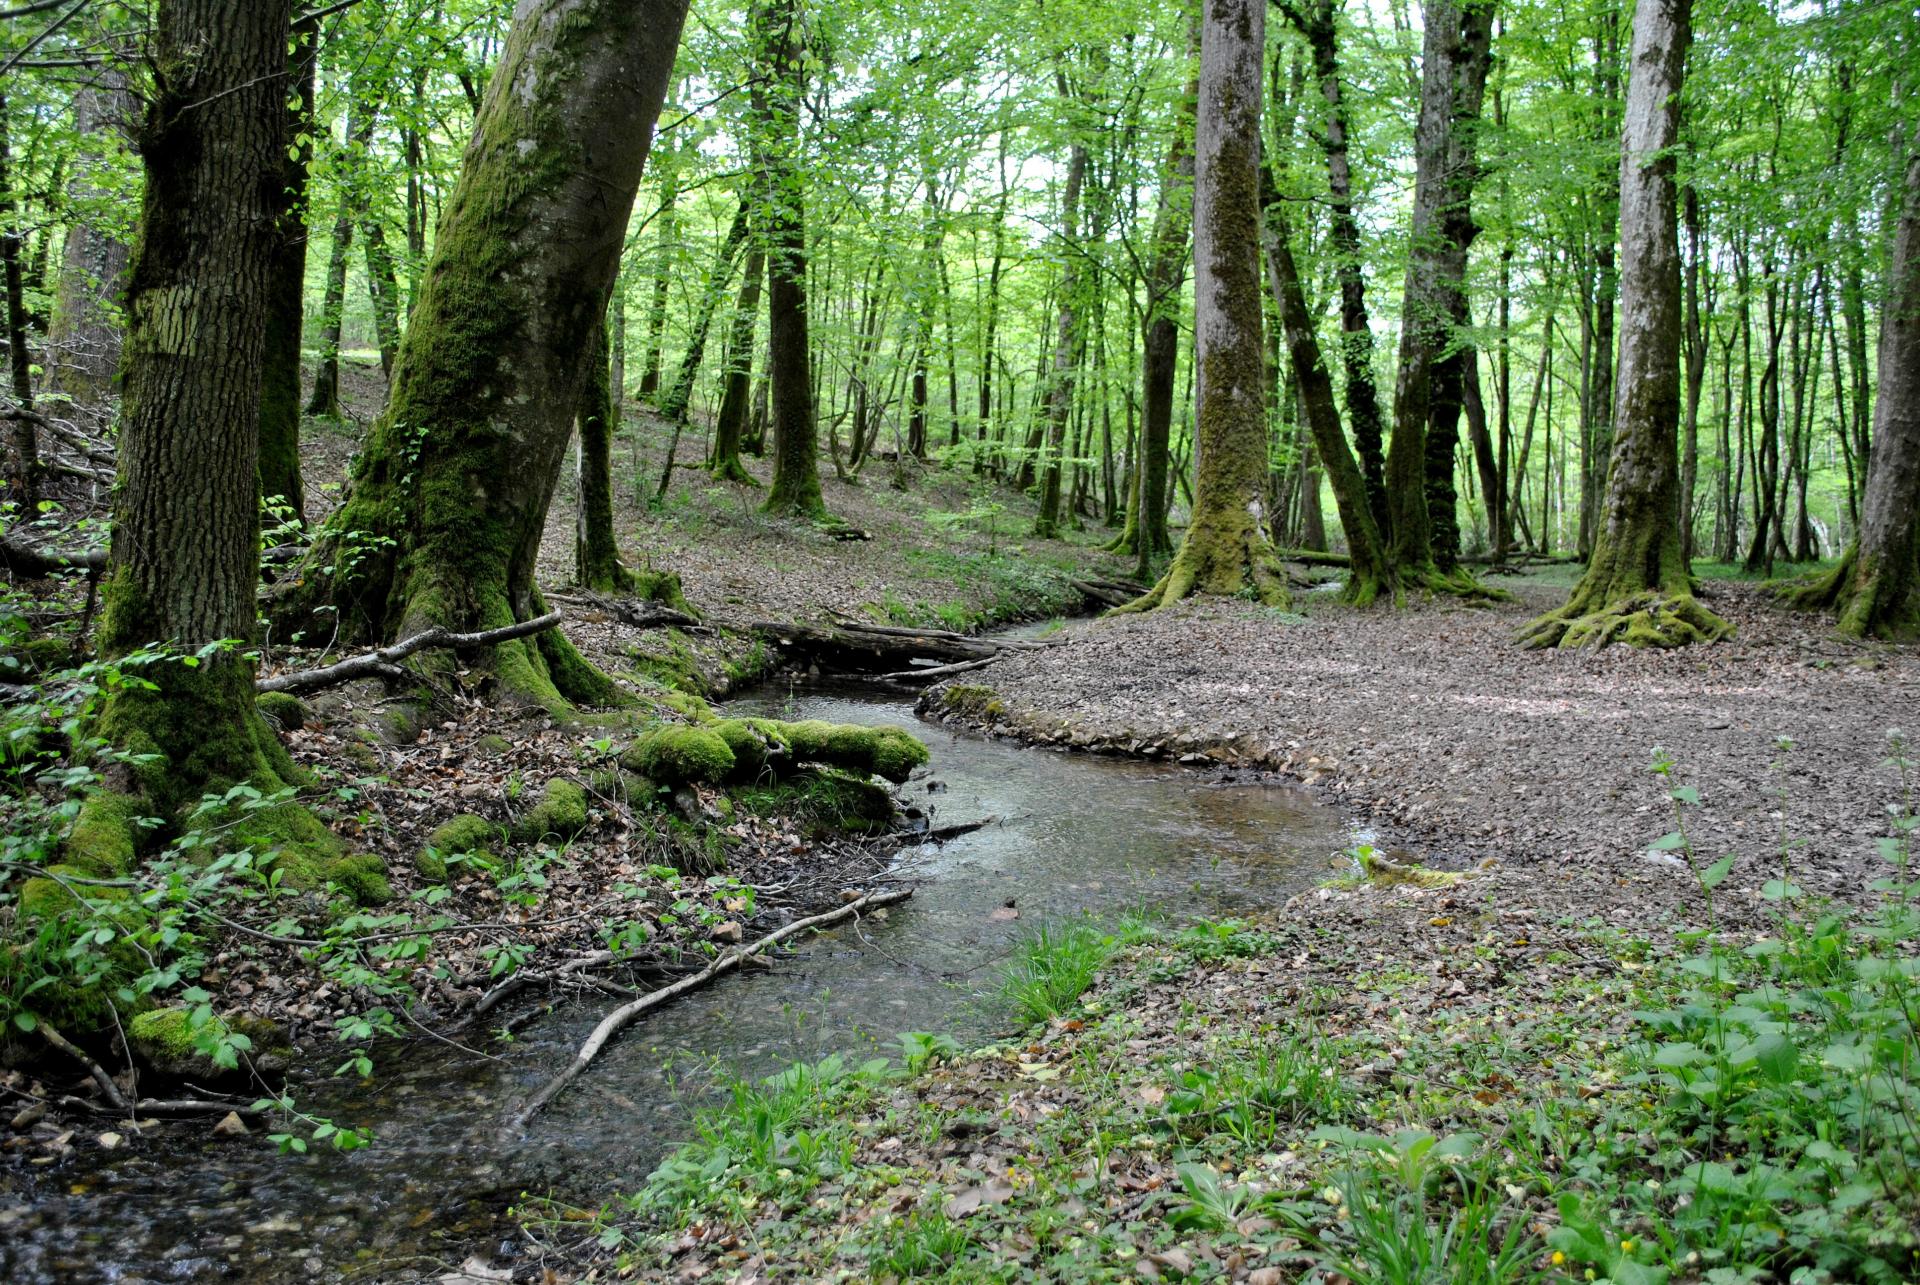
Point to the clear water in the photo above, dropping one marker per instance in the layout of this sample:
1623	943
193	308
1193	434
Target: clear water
1075	835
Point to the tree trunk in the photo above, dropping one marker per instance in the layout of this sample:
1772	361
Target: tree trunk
777	96
1876	587
1637	588
23	457
729	427
1066	352
669	238
1458	51
383	290
182	570
280	380
451	490
1226	549
596	554
84	339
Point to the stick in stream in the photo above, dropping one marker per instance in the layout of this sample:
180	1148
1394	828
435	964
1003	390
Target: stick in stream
614	1022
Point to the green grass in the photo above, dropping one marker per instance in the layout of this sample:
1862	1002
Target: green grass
1054	967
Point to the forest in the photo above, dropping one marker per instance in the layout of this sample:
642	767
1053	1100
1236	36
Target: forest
1019	641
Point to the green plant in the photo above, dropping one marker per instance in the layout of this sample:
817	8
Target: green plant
1054	967
924	1245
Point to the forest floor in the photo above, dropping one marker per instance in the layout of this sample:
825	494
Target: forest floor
1226	1096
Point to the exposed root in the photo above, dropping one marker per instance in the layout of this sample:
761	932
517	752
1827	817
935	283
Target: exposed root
1223	563
1457	583
1654	618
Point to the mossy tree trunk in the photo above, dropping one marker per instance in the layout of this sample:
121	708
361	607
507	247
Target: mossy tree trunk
1876	587
1226	549
280	380
451	490
182	567
1457	54
1637	588
1369	571
730	426
596	554
23	459
776	110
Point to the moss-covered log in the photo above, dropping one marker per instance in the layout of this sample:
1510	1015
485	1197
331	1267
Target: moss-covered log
451	489
1226	549
1637	588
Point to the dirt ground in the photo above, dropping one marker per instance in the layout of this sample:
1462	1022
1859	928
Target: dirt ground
1430	727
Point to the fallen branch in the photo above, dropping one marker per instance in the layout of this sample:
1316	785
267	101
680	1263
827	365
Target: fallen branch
929	673
381	663
940	834
641	613
866	648
108	1089
1111	593
23	558
619	1018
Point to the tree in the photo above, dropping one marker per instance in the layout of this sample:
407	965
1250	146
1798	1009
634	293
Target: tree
596	554
730	425
85	334
1458	46
1226	550
776	100
1876	587
451	489
182	569
280	382
1638	588
1066	352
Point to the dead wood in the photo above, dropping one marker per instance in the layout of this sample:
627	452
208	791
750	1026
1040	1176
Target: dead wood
384	662
619	1018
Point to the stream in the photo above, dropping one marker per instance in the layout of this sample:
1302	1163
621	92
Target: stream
1075	835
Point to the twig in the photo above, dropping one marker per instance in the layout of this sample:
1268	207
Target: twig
614	1022
108	1089
936	671
382	661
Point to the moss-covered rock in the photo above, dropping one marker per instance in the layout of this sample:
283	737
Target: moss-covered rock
970	700
284	709
361	876
166	1042
749	747
824	802
493	744
680	756
34	656
885	751
561	813
466	835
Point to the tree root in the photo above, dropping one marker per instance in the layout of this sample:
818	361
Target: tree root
1456	583
619	1018
1654	618
1246	565
385	661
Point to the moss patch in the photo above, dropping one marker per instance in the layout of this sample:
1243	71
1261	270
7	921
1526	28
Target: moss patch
973	701
101	843
824	802
464	835
285	709
362	876
561	813
681	756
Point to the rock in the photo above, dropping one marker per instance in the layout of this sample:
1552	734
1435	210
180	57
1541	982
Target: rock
109	1141
28	1116
729	932
231	1126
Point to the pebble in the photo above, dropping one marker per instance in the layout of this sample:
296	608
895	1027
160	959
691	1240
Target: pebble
230	1126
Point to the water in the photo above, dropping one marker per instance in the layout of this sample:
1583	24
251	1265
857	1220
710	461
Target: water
1075	834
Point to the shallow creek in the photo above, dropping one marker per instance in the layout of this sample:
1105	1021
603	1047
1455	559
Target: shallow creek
1075	834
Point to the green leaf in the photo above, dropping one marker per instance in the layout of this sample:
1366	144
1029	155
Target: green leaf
1685	794
26	1021
1716	873
1779	890
1669	841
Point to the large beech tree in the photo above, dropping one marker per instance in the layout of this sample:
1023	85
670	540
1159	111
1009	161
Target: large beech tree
451	490
182	569
1876	587
1226	549
1638	587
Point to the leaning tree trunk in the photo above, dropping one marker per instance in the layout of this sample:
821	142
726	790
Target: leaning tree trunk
776	100
182	568
280	381
451	490
1458	52
1638	588
1226	550
1368	571
673	406
1876	587
730	425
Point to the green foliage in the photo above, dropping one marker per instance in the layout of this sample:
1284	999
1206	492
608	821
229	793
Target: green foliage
673	755
1054	967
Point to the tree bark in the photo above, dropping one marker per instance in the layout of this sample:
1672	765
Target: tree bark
1876	587
23	457
777	96
730	425
182	570
1458	53
85	335
673	405
280	380
1066	352
1226	549
596	554
326	378
1638	588
451	490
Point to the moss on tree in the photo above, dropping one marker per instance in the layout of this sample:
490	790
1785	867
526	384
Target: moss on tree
676	755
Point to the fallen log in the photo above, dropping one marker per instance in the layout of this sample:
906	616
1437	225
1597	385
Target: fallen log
641	613
1110	593
22	557
384	662
621	1017
864	648
1313	557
